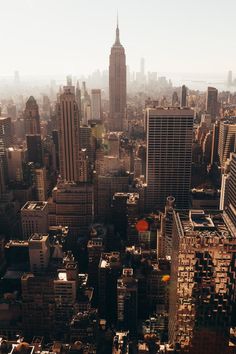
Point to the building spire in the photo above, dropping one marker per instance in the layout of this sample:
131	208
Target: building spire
117	30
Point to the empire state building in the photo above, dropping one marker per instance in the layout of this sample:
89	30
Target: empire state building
117	85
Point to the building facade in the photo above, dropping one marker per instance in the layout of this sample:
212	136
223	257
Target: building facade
117	85
169	156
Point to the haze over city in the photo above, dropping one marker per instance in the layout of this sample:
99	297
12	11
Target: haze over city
55	37
117	177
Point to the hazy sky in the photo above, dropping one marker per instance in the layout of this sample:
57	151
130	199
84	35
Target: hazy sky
74	36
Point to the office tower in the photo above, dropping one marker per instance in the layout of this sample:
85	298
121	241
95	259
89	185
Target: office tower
34	149
184	92
38	304
5	142
96	105
215	144
224	183
212	102
78	98
228	191
104	189
87	142
165	238
6	131
95	248
31	117
34	218
40	179
113	141
127	301
108	272
65	290
117	85
227	138
202	282
69	135
83	166
169	156
175	99
39	252
71	204
15	158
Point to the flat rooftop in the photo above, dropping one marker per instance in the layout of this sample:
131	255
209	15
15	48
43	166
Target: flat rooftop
38	238
34	206
199	222
170	111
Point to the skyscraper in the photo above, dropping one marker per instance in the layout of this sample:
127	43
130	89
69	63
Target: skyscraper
212	102
5	142
31	117
117	85
69	135
169	156
227	139
183	102
202	282
34	147
228	191
96	106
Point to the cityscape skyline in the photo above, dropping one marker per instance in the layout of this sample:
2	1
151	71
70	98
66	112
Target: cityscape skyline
117	188
56	24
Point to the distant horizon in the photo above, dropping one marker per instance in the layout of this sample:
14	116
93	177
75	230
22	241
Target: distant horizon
47	37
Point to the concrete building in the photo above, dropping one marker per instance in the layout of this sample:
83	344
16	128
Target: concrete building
169	156
212	102
65	290
96	104
117	86
39	253
34	148
40	179
165	238
87	142
15	158
31	117
183	100
105	188
228	192
108	273
202	281
38	304
215	144
127	301
34	218
69	135
227	139
71	204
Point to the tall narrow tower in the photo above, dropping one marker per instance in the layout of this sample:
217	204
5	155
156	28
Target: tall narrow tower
31	117
117	85
69	135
